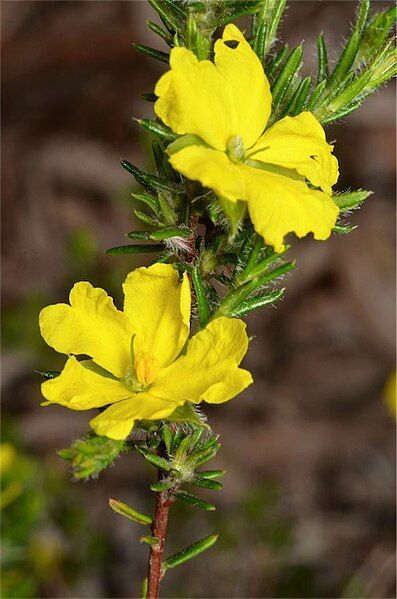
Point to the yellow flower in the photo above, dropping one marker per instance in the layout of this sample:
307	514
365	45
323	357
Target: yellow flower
221	109
137	359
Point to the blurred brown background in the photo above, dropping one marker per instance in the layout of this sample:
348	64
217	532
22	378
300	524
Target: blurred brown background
308	504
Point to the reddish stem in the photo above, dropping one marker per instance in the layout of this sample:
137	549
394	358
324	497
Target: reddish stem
159	529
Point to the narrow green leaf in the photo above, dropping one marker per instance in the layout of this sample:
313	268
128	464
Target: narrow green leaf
152	52
155	460
206	483
299	98
162	485
147	199
278	10
288	71
238	9
259	301
362	16
260	40
195	437
322	59
211	473
339	114
157	128
351	200
169	214
170	232
278	60
204	456
168	16
167	437
128	512
194	501
145	218
190	552
346	60
148	180
182	450
375	35
201	298
316	95
133	249
160	32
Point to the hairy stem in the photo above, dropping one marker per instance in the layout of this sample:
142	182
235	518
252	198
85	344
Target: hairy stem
159	530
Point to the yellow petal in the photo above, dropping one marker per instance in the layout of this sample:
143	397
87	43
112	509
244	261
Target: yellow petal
213	169
279	205
90	325
242	69
158	305
209	370
81	388
117	421
216	101
299	143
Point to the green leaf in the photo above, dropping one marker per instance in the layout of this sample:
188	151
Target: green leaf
154	459
351	200
162	485
316	95
206	483
152	52
128	512
150	181
169	15
288	71
148	220
322	59
190	552
211	473
167	437
299	98
160	32
157	128
149	200
278	61
259	301
170	232
133	249
194	501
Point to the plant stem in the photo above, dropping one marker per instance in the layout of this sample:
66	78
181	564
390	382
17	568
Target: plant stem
159	530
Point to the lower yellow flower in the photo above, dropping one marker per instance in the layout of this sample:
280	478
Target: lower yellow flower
140	365
221	108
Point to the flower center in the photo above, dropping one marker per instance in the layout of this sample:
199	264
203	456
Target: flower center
146	368
235	149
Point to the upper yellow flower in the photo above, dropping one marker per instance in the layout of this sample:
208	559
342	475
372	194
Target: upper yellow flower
134	353
224	107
